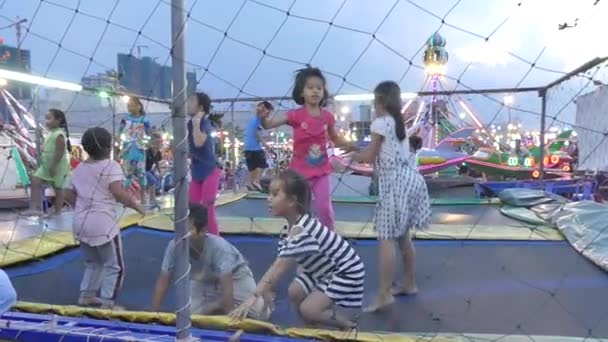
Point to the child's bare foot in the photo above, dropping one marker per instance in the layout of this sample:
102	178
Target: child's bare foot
33	212
113	307
269	299
404	290
381	302
236	337
348	326
90	301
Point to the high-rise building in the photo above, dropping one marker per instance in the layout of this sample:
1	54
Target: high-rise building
146	77
129	72
102	80
191	83
19	60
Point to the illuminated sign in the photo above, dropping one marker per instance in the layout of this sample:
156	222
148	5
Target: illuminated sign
514	162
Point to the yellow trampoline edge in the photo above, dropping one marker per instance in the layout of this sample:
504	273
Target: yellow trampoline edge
221	323
260	327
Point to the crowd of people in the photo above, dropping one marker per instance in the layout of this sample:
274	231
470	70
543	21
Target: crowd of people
331	275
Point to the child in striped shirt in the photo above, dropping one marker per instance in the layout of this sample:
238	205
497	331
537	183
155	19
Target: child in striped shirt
331	273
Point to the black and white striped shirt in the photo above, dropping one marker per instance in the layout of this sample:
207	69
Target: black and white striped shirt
320	251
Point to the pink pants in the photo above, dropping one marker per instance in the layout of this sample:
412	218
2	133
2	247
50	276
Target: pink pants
322	200
204	192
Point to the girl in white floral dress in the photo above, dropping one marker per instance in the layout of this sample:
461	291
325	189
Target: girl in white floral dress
403	200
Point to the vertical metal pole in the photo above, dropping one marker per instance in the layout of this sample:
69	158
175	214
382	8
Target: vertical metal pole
234	148
38	140
112	102
37	130
543	119
182	251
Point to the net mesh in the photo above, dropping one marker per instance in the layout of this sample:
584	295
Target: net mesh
241	52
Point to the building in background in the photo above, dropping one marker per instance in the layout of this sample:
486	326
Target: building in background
361	122
102	80
146	77
19	60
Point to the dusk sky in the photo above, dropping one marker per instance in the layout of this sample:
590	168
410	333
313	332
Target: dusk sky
528	28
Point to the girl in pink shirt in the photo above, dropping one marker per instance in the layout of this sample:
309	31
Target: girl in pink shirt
313	127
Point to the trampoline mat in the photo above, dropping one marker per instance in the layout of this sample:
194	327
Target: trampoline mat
479	215
540	288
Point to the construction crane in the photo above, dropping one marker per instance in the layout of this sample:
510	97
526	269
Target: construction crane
139	49
17	24
18	29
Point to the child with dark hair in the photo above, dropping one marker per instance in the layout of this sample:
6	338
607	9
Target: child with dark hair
312	125
415	143
255	158
204	168
135	133
97	192
328	278
153	159
54	165
403	200
220	278
415	146
229	176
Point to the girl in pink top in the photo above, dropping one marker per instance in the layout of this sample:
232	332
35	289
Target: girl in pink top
313	127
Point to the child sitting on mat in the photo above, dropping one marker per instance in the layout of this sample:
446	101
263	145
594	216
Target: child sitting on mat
331	272
98	195
220	278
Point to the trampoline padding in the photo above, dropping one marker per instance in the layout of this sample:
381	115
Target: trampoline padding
51	242
374	199
365	230
48	243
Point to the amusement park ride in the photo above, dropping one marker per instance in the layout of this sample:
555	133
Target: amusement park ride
450	141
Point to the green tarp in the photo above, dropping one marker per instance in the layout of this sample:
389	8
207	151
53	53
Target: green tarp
584	224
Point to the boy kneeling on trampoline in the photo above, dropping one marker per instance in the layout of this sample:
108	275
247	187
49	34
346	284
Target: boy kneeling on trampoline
220	278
